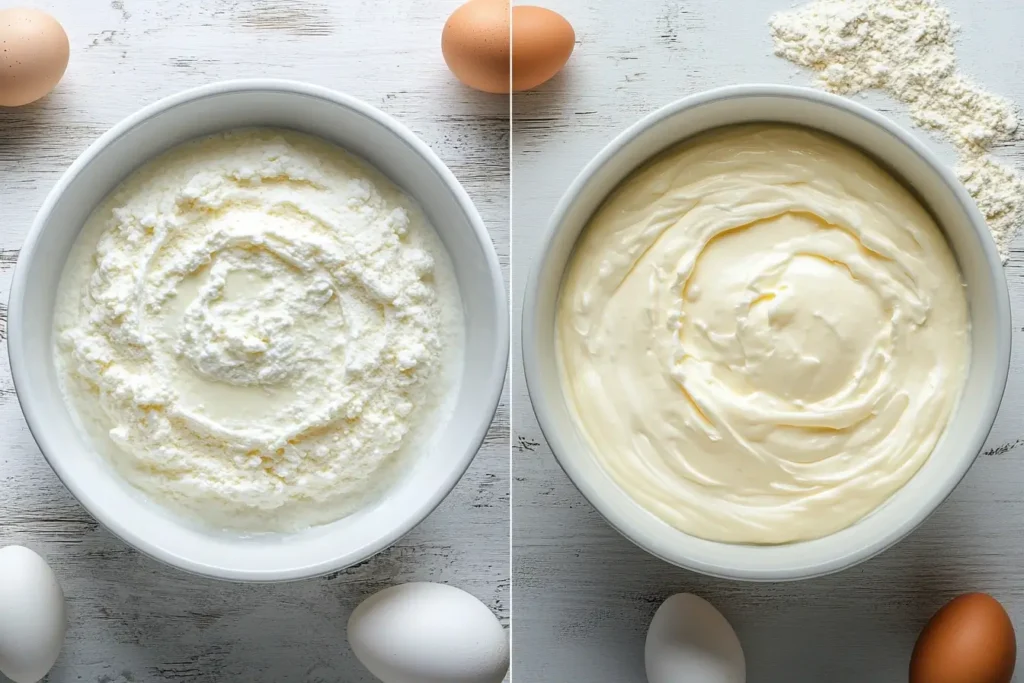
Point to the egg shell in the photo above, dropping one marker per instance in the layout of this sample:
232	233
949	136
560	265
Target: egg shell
969	640
476	44
542	42
32	615
689	641
34	54
428	633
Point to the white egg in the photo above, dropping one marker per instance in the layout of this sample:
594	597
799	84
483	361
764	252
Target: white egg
32	615
689	641
428	633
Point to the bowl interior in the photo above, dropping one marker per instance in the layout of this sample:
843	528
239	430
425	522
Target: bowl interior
967	234
401	157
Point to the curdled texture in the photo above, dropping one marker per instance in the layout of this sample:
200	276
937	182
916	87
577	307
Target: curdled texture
258	323
762	335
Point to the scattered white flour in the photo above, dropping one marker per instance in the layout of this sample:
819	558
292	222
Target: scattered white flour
257	325
906	47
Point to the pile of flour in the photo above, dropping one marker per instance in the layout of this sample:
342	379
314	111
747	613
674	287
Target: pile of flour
906	48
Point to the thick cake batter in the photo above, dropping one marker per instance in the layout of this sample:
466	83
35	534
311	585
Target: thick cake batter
762	335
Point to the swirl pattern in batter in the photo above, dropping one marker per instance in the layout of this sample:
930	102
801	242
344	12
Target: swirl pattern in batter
762	335
256	327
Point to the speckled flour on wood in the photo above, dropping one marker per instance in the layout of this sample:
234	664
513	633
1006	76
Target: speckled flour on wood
906	47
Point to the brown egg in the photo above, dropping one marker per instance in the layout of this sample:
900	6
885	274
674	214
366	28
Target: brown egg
33	55
475	43
542	42
970	640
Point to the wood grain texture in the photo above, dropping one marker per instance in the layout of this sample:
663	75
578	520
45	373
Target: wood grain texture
582	594
131	619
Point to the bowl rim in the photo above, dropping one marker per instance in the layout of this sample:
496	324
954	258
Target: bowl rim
35	412
539	398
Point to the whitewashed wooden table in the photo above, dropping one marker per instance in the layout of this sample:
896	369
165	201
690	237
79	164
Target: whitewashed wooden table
583	595
131	619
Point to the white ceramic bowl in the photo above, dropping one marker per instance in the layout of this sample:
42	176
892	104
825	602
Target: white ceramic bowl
402	157
967	234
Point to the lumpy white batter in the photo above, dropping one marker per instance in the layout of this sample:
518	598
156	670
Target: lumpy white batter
256	326
762	335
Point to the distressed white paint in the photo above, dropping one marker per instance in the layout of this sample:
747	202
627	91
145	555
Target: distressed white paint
582	594
131	618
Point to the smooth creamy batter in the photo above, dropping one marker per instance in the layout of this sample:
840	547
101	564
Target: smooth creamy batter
256	326
762	335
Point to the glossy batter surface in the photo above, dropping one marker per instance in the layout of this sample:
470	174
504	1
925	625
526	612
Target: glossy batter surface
762	335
